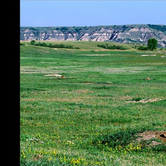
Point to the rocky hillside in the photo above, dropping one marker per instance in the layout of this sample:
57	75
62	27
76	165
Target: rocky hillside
116	33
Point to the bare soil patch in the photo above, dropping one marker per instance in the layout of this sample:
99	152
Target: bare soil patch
148	135
144	100
148	55
83	91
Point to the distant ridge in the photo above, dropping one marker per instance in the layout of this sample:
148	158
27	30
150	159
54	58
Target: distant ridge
136	33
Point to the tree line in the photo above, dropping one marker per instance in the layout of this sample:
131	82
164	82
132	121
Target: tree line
106	46
33	42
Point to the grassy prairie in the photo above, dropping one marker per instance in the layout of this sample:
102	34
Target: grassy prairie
85	118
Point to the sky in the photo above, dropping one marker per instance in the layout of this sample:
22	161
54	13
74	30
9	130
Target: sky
42	13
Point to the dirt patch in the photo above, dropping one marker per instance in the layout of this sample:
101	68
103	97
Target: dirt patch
55	75
78	91
124	98
147	78
45	51
37	157
148	135
144	100
148	55
83	91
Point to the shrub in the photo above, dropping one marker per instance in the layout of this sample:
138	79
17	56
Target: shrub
122	138
142	48
22	44
53	45
106	46
38	44
50	45
77	47
44	44
33	42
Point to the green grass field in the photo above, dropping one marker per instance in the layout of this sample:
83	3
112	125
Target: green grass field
86	118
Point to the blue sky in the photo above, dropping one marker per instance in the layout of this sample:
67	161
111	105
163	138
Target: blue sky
91	13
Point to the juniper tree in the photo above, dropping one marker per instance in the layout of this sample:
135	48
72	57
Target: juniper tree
152	44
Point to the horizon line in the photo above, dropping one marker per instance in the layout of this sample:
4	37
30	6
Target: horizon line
92	25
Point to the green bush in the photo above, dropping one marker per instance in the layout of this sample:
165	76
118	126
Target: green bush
22	44
142	48
122	138
106	46
44	44
53	45
33	42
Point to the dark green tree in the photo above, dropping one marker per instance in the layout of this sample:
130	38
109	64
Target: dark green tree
33	42
152	44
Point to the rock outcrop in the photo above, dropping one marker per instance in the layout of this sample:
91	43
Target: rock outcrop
120	33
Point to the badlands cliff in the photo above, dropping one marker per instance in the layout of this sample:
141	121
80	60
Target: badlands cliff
116	33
